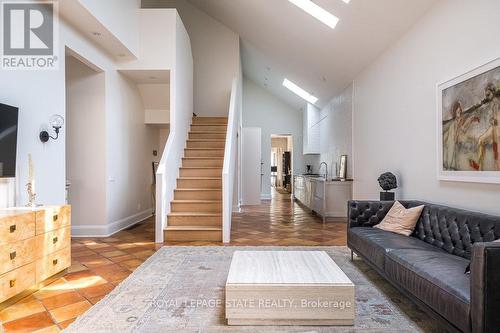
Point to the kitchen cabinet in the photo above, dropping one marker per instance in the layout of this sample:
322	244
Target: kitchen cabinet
318	195
311	130
324	197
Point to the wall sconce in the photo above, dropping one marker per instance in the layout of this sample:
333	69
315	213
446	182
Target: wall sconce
56	121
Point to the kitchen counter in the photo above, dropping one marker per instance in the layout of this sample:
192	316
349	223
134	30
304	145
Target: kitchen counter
323	179
327	198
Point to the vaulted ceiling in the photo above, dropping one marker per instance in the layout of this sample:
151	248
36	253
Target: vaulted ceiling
280	40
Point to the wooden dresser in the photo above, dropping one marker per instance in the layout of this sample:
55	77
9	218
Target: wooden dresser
35	245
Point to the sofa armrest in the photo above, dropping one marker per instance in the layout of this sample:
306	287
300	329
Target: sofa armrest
366	213
485	287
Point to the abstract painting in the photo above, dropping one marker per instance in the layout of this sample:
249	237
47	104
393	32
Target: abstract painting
469	125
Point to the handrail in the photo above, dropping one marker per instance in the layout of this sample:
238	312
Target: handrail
230	158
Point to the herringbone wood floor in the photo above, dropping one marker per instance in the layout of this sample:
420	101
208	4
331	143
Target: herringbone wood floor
99	264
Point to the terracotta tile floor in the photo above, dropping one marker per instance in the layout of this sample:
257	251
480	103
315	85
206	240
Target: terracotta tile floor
99	264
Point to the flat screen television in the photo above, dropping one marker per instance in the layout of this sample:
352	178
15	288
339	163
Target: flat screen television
8	140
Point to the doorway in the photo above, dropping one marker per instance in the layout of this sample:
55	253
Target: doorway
281	163
85	141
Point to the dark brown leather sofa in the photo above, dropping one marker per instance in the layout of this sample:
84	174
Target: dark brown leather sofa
429	266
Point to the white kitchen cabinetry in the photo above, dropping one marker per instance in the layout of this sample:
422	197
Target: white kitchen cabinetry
326	198
311	130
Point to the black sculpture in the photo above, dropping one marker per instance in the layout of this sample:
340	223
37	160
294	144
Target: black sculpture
387	182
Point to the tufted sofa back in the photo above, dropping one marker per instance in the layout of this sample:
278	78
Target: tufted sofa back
451	229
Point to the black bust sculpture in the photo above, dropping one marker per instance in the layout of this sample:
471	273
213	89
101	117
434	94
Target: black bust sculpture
387	182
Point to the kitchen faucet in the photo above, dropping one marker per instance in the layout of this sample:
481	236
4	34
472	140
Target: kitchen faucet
326	169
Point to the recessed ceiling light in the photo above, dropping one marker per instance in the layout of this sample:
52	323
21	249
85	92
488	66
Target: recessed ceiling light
319	13
346	1
299	91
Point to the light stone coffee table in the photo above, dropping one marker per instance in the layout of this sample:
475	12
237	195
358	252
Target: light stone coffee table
288	288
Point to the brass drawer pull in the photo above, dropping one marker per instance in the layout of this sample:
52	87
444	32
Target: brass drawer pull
12	283
55	217
54	262
13	255
12	228
54	240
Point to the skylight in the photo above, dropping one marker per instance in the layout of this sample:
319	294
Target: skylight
299	91
313	9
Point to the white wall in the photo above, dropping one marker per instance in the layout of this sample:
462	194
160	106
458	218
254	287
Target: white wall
216	53
155	96
120	17
261	109
85	143
156	101
335	129
128	143
251	190
129	152
395	104
181	111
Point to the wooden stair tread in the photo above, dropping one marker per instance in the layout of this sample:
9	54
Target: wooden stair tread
208	132
194	227
204	178
202	117
205	157
196	208
196	201
210	124
198	189
209	167
199	214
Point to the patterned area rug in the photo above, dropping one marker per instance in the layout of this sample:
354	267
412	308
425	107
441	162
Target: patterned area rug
181	289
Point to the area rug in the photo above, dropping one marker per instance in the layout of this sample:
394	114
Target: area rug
181	289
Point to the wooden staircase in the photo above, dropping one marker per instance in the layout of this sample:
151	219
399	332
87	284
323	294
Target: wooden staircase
196	211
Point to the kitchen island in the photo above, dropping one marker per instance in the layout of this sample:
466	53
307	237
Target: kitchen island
325	197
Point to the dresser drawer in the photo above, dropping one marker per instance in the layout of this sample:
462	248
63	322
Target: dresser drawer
52	218
16	281
16	227
53	241
53	264
17	254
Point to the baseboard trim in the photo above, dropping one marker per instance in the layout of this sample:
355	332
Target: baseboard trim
266	196
336	214
107	230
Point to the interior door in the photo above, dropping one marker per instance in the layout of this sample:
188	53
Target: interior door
250	166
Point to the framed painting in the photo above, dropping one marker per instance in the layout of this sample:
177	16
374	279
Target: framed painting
468	128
